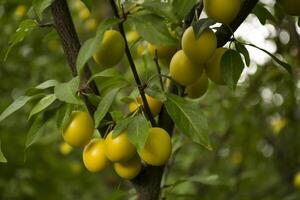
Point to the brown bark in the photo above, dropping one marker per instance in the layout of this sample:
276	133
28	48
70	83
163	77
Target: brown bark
71	45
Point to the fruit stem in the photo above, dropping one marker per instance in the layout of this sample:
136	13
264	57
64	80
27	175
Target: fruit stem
132	65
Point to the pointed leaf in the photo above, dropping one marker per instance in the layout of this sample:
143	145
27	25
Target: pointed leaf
283	64
243	50
232	67
104	106
201	25
47	84
66	92
16	105
263	14
42	104
152	28
162	9
23	30
34	131
63	116
110	72
121	125
138	131
182	7
188	118
40	5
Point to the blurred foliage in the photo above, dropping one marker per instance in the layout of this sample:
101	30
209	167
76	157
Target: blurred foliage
254	130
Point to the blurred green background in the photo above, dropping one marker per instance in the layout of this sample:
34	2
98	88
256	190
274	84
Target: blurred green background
255	130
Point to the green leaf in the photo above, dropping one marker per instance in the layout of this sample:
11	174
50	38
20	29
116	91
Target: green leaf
138	131
283	64
88	3
182	7
40	5
16	105
110	72
104	106
201	25
121	125
90	46
162	9
67	92
189	119
63	116
156	92
2	157
205	179
108	84
23	30
243	50
263	14
152	28
47	84
39	88
34	131
42	104
232	67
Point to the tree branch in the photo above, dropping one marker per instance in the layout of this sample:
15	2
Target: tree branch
224	33
132	65
71	45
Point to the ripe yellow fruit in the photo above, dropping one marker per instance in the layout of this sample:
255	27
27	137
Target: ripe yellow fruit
65	149
132	36
90	24
80	129
183	70
111	49
201	49
198	88
163	52
291	7
93	156
213	66
297	180
20	11
129	169
158	147
84	13
120	148
223	11
154	105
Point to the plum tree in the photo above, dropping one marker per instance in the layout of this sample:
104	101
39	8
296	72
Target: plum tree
80	129
223	11
158	147
119	149
201	49
183	70
213	66
111	50
94	157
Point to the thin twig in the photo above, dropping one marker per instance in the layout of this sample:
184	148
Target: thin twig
158	70
132	65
